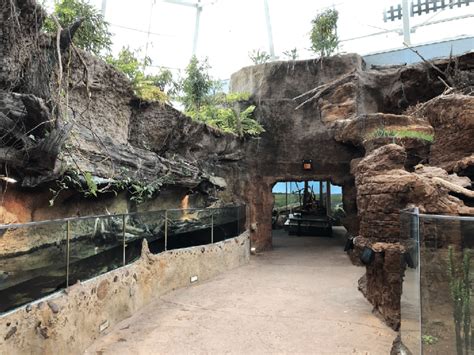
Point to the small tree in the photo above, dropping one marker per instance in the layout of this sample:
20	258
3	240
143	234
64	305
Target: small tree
196	85
323	35
93	34
259	57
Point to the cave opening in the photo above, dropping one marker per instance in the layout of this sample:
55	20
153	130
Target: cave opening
309	209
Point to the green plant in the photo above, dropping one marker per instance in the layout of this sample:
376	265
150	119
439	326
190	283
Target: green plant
415	134
226	112
259	57
84	183
144	86
204	102
429	339
460	288
291	54
93	34
196	85
324	39
165	81
402	133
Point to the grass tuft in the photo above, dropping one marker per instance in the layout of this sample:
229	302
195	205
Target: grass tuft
402	133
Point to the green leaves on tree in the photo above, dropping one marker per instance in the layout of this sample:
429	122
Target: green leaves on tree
146	87
324	39
203	102
93	34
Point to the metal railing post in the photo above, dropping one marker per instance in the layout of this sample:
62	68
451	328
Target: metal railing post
212	226
68	236
166	230
123	238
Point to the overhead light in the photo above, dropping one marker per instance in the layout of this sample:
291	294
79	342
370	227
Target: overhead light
8	179
307	164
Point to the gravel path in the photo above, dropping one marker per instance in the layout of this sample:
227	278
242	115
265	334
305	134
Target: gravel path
299	298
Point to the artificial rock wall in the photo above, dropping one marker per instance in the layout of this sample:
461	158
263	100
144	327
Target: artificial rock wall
328	111
323	110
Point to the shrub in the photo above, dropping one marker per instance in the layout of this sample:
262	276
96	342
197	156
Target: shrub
324	39
143	85
196	85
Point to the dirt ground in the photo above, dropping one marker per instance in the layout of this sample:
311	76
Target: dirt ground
299	298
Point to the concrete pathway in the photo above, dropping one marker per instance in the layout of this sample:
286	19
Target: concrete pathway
299	298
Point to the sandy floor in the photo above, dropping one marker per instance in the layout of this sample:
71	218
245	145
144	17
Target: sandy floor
300	298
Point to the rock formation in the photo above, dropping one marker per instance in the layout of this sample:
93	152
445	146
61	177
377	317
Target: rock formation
345	117
64	113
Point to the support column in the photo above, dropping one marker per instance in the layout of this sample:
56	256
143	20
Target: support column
328	198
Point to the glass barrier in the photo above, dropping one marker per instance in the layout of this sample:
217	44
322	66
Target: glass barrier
144	225
40	258
37	267
410	306
95	247
190	227
442	290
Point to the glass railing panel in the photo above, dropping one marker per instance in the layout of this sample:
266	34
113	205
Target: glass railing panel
410	306
40	258
187	228
446	284
95	247
226	223
37	266
140	226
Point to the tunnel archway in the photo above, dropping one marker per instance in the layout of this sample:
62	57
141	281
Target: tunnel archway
294	134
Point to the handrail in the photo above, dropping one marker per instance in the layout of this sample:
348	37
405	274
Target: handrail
73	219
438	216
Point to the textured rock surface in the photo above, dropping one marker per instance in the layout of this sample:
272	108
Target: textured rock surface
452	118
332	124
324	111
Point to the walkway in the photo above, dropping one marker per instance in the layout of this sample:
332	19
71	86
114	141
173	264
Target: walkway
299	298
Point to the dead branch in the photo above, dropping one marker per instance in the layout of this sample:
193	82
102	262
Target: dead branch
323	89
453	187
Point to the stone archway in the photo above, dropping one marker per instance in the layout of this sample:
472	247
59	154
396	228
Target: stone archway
292	136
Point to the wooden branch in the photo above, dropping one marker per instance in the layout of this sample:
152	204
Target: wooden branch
453	187
323	89
429	63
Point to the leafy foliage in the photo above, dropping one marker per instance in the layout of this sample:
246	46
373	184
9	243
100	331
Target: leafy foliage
204	102
225	114
145	86
259	57
324	39
291	54
86	185
164	80
93	34
196	85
